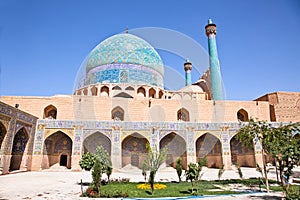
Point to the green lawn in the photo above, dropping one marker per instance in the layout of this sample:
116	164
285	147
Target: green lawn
176	189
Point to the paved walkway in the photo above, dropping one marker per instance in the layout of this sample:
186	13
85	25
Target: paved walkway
63	184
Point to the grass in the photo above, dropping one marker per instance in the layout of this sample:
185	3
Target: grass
176	189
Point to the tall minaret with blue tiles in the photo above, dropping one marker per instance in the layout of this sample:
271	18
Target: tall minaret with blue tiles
214	65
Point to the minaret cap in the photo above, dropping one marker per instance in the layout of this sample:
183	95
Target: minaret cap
210	28
187	65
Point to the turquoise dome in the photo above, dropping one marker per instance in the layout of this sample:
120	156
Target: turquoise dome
122	58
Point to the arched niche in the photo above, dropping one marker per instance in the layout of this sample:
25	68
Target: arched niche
94	91
183	115
176	147
160	94
85	91
57	151
116	88
242	115
50	112
141	92
104	91
19	146
134	150
152	93
96	139
209	146
2	134
117	114
242	155
129	88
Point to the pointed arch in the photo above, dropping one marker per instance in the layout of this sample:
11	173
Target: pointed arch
242	115
134	150
123	95
85	91
57	150
129	88
117	114
50	112
152	93
2	133
160	94
141	92
94	91
19	147
116	88
183	115
176	147
104	91
209	146
96	139
241	155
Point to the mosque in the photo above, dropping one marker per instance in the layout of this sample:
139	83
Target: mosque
120	103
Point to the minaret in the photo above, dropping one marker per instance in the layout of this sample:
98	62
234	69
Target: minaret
188	75
215	73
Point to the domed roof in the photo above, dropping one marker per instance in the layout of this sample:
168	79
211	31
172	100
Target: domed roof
191	88
122	58
125	48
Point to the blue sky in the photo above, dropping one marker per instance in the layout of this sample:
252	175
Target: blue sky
43	42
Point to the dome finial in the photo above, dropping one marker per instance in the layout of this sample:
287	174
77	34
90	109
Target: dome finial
126	29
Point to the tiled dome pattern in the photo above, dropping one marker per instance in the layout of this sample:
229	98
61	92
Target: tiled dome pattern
122	58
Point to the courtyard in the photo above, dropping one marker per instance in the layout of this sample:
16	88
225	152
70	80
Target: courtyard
60	183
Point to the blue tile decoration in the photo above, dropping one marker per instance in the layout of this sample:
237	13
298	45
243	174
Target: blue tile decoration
122	58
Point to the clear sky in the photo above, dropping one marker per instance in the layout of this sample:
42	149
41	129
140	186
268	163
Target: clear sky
43	42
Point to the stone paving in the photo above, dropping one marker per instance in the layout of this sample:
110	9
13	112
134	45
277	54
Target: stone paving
63	184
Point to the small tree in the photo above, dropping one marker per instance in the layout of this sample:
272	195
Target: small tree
144	170
280	142
179	168
285	148
201	163
192	173
154	160
255	131
96	175
102	165
239	171
220	172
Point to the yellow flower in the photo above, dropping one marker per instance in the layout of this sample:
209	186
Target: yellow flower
157	186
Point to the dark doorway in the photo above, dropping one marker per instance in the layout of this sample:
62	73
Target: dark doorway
135	160
63	160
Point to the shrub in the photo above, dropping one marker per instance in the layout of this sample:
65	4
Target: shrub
87	161
179	168
293	192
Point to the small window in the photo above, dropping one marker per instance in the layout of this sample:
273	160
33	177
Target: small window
50	112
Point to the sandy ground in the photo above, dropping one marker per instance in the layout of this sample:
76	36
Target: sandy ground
63	184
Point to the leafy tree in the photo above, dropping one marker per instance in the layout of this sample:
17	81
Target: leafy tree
192	173
179	168
284	146
102	165
201	163
87	161
255	131
96	175
280	142
154	160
